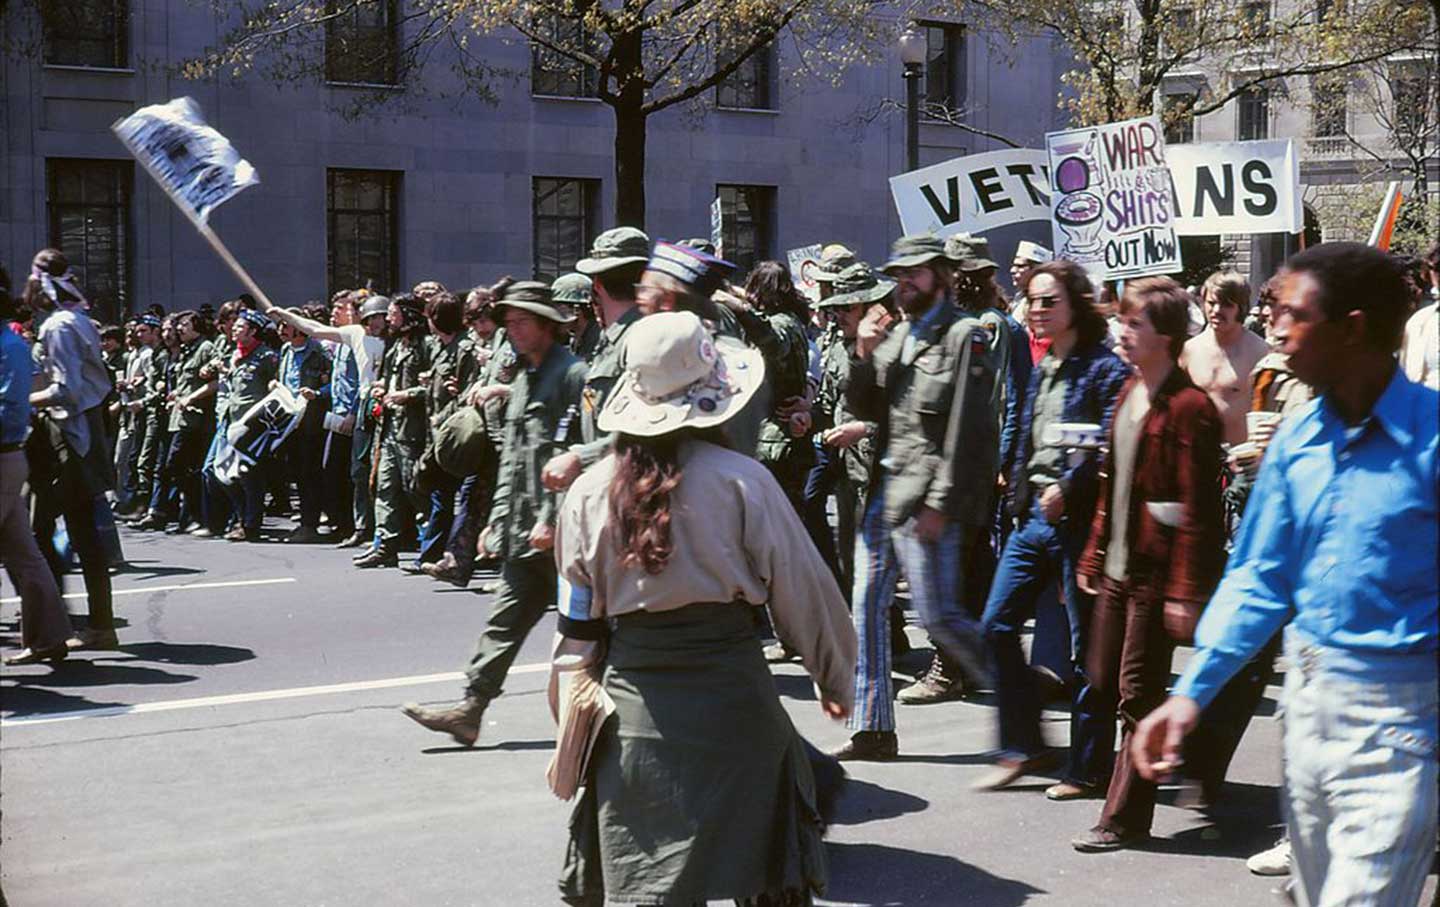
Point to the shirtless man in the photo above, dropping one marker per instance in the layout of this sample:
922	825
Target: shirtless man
1220	359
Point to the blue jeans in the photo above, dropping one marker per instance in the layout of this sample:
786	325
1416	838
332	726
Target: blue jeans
936	591
1036	554
1360	779
438	520
217	499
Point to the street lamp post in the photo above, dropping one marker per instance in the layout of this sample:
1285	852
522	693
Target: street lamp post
912	55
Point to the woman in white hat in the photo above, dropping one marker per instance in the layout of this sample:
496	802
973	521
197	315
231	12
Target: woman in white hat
700	789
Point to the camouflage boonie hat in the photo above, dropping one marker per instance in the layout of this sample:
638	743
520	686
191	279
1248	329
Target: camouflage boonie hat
857	285
531	296
834	258
572	289
613	248
914	251
970	253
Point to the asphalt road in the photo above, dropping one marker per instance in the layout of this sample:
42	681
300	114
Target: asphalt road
244	747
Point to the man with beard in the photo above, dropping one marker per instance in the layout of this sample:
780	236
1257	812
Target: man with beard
928	387
1222	357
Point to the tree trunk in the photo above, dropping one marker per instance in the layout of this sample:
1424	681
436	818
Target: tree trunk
630	116
629	166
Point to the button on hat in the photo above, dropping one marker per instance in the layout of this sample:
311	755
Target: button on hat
613	248
533	297
677	375
914	251
970	253
857	285
256	318
572	289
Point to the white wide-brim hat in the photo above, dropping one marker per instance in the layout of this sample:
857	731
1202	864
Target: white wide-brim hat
678	375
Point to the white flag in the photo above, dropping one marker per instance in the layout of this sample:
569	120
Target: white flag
197	165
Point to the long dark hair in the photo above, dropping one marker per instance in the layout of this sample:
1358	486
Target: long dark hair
1090	326
647	471
770	288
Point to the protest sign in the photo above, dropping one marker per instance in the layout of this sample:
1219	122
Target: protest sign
803	262
717	227
1113	204
197	165
1237	187
975	193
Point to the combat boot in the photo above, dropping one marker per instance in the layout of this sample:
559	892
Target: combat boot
383	556
461	722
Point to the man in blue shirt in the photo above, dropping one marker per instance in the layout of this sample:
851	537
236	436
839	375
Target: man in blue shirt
44	624
1340	542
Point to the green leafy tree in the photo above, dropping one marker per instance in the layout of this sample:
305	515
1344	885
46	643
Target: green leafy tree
639	57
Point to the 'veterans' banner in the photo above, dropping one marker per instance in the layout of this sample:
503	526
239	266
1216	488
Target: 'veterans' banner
1237	187
973	194
1112	205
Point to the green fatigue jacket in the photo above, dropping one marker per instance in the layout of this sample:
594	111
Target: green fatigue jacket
247	382
155	387
833	409
606	367
787	367
585	345
937	442
541	419
999	342
187	381
456	360
222	349
400	371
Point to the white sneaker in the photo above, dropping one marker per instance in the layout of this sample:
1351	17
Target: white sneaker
1272	862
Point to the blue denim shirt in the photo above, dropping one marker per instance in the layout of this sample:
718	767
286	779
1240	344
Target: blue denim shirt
1340	536
344	380
17	373
305	366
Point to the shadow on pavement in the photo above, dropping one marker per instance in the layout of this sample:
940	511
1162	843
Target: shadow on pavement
861	801
876	874
81	672
506	746
185	653
155	570
25	701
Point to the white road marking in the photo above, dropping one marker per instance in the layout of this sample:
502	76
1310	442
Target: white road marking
202	702
141	590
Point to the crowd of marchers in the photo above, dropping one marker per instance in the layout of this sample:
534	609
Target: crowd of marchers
1133	466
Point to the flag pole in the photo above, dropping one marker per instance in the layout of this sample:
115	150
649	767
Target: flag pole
200	226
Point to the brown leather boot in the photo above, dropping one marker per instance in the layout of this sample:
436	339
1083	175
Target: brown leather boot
462	722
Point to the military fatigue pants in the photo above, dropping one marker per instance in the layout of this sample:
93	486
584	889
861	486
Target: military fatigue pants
396	502
527	589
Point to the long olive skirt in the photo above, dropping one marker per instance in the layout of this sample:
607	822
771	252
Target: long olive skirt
699	787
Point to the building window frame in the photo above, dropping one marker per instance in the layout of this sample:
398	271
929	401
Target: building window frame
945	82
564	221
1329	109
753	85
347	219
1252	114
554	75
1181	131
747	215
386	72
109	38
106	191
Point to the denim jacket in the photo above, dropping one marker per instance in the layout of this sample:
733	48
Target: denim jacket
1095	376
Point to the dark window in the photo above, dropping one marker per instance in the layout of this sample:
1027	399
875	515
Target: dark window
556	75
564	211
748	215
1411	90
1322	9
1182	20
1327	112
362	42
1254	114
749	87
362	229
945	66
86	32
1257	18
89	208
1179	121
